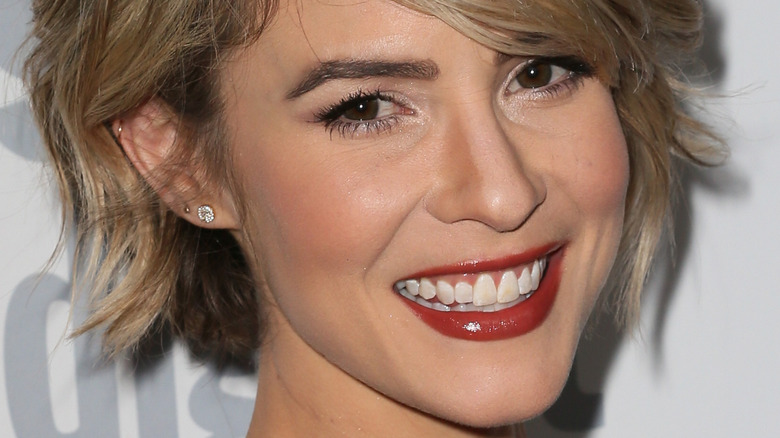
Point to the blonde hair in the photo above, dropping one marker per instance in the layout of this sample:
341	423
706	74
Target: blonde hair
147	268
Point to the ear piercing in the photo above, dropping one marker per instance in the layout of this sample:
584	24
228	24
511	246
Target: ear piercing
114	135
206	213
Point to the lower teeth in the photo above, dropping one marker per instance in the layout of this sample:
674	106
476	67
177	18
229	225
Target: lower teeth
468	307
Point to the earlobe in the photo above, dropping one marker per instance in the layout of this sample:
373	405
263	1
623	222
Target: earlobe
148	136
206	213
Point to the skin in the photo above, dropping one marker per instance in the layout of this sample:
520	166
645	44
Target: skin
467	171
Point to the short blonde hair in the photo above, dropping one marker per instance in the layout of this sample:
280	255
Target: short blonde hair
94	61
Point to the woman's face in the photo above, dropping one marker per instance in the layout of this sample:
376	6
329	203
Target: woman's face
384	153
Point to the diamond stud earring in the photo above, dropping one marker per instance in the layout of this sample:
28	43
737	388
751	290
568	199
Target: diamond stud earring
206	213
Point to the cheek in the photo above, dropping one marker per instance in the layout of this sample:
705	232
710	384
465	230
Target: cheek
576	151
327	214
592	166
586	174
599	191
602	169
595	178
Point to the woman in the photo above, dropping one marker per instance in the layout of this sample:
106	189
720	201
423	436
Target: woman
409	207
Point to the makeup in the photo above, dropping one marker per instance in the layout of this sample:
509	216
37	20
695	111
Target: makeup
510	322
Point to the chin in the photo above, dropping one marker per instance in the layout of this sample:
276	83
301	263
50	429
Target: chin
535	398
501	394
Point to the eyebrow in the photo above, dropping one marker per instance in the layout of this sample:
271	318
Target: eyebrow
359	69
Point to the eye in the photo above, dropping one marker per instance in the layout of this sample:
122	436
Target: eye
368	108
547	77
537	74
363	113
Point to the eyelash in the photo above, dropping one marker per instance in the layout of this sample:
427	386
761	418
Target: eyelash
576	71
331	116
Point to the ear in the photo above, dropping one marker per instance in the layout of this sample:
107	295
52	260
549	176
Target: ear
148	136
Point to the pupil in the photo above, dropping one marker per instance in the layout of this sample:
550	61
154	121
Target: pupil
535	76
363	110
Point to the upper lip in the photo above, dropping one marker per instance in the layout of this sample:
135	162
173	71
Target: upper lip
496	264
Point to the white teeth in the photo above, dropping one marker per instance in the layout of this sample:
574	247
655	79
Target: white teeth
536	275
524	282
484	291
462	307
507	289
464	293
483	296
440	307
445	292
469	307
502	306
413	286
427	289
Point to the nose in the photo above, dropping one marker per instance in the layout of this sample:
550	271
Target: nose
481	175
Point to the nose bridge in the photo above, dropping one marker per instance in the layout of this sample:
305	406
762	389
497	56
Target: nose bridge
481	174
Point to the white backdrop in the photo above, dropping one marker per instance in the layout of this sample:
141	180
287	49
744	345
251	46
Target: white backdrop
705	364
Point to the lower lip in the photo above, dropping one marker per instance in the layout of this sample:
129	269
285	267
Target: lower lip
503	324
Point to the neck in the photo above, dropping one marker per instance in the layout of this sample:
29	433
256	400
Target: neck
299	391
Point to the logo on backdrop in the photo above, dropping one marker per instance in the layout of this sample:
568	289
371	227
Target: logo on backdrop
26	362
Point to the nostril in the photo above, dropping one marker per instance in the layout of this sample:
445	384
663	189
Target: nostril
501	202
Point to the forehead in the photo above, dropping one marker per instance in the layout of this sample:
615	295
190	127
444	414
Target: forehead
329	29
304	33
307	33
593	30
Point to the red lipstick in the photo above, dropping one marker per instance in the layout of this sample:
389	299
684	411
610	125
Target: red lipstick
490	326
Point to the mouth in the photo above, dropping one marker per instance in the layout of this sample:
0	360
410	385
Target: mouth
488	300
484	292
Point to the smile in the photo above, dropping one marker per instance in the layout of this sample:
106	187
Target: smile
484	292
484	301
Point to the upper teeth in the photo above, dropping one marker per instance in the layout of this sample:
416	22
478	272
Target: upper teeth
483	294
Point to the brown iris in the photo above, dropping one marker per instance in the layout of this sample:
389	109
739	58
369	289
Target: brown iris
535	75
363	110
